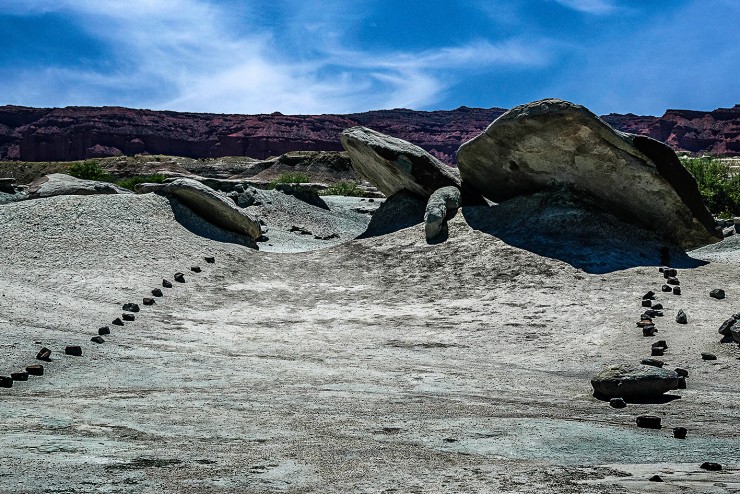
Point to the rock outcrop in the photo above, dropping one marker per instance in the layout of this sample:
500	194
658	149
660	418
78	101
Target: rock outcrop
634	381
60	184
442	206
550	143
393	165
213	206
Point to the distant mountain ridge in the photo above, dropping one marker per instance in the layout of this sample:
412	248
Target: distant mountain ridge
75	133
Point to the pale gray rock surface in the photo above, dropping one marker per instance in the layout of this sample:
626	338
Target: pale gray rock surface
60	184
551	142
634	381
441	206
211	205
393	165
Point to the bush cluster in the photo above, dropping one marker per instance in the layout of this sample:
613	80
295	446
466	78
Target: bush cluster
348	188
290	178
91	170
719	188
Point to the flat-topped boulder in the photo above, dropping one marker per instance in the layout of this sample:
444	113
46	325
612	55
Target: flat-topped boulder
213	206
393	165
550	143
634	381
60	184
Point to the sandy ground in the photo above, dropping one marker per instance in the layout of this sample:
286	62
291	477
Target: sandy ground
379	365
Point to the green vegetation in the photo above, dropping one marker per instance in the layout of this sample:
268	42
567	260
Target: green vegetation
348	188
719	188
89	170
131	182
290	178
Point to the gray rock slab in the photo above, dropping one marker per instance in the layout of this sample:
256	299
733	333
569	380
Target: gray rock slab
60	184
551	142
634	381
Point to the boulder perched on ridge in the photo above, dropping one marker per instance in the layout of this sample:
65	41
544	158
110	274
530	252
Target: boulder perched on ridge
552	142
211	205
442	205
60	184
634	381
393	165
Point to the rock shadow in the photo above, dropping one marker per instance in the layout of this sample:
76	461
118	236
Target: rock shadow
401	210
564	225
653	400
196	224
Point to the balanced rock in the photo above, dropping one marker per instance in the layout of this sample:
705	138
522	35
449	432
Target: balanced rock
552	142
634	381
60	184
393	165
211	205
441	206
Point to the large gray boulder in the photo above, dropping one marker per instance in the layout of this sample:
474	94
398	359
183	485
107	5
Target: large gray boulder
393	165
441	206
60	184
551	142
213	206
634	381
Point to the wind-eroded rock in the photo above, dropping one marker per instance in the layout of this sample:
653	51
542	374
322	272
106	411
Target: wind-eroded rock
634	381
211	205
551	142
60	184
393	165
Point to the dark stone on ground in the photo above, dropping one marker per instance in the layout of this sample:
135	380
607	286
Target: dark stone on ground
649	295
633	381
657	306
649	330
712	467
708	356
166	284
665	288
717	293
148	301
652	361
210	260
104	330
645	321
19	376
617	403
44	354
681	382
6	382
681	372
648	422
673	281
677	290
130	307
670	273
157	292
128	317
726	327
73	350
97	339
655	351
647	303
195	269
681	317
179	277
35	370
655	478
660	344
117	321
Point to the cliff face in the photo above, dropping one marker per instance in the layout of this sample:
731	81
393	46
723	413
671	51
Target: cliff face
74	133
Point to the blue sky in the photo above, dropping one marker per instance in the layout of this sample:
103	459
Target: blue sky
306	56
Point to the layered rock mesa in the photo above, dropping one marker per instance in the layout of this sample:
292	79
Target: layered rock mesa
74	133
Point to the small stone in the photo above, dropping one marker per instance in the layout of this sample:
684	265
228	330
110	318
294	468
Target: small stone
661	344
665	288
648	422
647	303
166	284
195	269
677	290
148	301
673	281
179	277
617	403
44	354
657	313
657	351
712	467
681	372
657	306
655	478
671	272
708	356
128	317
681	317
97	339
19	376
681	382
35	370
117	321
652	361
717	293
73	350
131	307
726	327
645	321
649	330
6	382
104	330
649	295
157	292
449	440
210	260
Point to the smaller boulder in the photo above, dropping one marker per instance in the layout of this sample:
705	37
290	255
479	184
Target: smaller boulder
44	354
441	206
131	307
712	467
104	330
6	382
60	184
179	277
19	376
708	356
648	422
665	288
147	301
166	284
633	381
73	350
681	317
617	403
117	322
677	290
157	292
210	260
97	339
717	293
35	370
128	317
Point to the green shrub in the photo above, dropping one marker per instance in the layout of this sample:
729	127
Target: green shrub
344	188
88	170
290	178
718	187
131	182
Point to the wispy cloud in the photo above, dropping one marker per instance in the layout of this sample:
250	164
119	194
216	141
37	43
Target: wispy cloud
186	55
598	7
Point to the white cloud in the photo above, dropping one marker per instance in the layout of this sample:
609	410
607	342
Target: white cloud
598	7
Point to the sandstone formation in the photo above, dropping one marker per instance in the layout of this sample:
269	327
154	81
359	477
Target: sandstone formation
211	205
550	143
442	205
393	165
634	381
59	184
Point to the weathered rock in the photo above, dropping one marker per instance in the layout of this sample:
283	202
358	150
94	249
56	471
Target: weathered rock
195	269
552	142
649	295
441	206
6	382
166	284
117	321
657	306
35	370
393	165
211	205
712	467
633	381
717	293
648	422
673	281
19	376
647	303
708	356
670	273
97	339
147	301
665	288
128	317
649	330
681	372
652	361
655	351
179	277
655	478
104	330
210	260
681	382
59	184
617	403
157	292
660	344
73	350
44	354
735	333
677	290
131	307
681	317
401	210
